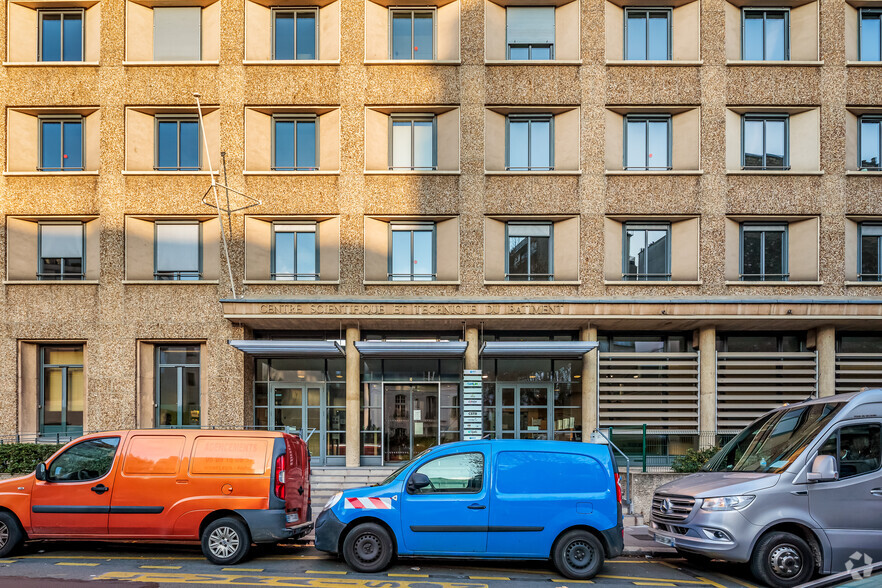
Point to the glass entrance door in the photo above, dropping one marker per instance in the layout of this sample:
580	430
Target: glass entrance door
299	406
523	411
410	420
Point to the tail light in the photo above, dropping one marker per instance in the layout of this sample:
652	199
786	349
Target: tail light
618	488
280	477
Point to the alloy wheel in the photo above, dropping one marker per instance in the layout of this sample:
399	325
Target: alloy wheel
223	542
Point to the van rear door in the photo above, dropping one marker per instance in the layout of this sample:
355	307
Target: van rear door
296	481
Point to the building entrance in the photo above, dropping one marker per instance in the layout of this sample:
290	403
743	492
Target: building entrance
410	420
524	411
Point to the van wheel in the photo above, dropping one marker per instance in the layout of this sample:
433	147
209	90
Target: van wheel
368	548
578	555
226	541
11	534
782	560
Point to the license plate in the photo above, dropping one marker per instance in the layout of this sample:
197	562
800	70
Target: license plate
292	518
664	540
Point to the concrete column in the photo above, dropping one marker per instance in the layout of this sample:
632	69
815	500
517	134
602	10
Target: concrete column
353	406
589	385
707	384
471	354
826	347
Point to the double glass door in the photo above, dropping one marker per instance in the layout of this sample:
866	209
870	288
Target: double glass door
522	411
410	420
298	406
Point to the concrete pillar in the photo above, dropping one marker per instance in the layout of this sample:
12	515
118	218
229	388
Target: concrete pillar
353	406
707	385
589	385
826	347
471	355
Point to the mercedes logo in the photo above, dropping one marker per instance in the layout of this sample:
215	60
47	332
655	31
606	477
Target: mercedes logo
666	506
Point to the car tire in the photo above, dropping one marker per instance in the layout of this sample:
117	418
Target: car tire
578	555
368	548
226	541
782	560
11	534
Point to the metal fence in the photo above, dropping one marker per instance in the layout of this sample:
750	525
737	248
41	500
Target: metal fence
653	450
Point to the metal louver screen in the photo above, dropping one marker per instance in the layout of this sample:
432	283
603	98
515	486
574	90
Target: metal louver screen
858	370
529	24
177	33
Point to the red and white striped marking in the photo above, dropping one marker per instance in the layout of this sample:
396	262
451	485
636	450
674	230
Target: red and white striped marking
371	503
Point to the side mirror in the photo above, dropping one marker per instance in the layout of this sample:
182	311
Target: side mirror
40	472
418	481
823	469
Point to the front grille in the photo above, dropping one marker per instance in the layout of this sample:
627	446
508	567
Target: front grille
669	508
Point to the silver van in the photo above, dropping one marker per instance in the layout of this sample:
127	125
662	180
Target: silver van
798	492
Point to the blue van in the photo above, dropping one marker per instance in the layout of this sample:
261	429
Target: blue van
506	499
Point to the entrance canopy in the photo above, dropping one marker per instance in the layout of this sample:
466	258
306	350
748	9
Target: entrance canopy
278	348
554	349
411	348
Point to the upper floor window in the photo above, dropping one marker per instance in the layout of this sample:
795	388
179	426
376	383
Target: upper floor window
870	252
529	142
61	251
764	140
295	255
763	252
870	143
766	35
529	32
295	33
412	252
528	251
413	34
647	251
177	33
412	142
61	143
177	250
648	34
870	34
647	142
61	35
177	143
295	143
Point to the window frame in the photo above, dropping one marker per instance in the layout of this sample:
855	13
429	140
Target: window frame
411	227
838	456
63	119
295	277
178	118
529	46
875	118
530	118
413	10
62	11
295	10
749	116
60	276
50	478
763	228
646	10
764	10
417	469
295	118
176	275
868	10
529	277
646	119
877	277
413	118
64	398
645	227
179	382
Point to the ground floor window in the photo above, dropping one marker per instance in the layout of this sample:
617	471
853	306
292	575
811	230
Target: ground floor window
62	389
178	387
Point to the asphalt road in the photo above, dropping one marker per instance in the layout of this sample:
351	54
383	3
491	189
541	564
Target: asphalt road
129	565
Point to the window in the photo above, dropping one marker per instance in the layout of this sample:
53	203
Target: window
529	142
763	252
647	34
61	35
61	144
177	251
870	143
61	251
177	143
89	460
529	32
647	142
295	255
295	33
413	142
295	143
528	252
412	252
856	449
62	390
177	33
647	251
765	35
453	474
870	252
413	34
870	34
765	142
177	386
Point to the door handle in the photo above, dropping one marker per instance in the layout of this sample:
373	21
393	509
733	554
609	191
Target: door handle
476	507
100	489
876	491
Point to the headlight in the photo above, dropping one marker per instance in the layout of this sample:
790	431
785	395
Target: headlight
332	501
726	502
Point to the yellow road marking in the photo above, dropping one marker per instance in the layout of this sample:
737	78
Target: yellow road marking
670	565
300	582
70	563
700	581
8	560
737	581
160	557
239	569
629	561
326	572
711	582
408	575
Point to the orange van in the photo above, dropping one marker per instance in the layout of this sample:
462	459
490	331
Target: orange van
227	489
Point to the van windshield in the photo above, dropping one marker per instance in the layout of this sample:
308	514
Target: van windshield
394	474
772	443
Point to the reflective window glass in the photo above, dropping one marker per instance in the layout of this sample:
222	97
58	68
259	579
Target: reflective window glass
765	142
870	143
648	142
413	143
647	252
177	251
765	35
870	35
870	252
294	146
294	252
528	254
61	144
61	251
61	35
294	34
763	252
647	34
412	255
529	145
177	145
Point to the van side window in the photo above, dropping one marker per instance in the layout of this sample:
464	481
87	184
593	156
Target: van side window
857	449
84	461
453	474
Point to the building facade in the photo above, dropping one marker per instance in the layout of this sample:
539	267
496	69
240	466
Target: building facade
448	204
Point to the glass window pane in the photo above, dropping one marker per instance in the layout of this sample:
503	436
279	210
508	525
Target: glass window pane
657	253
284	35
401	133
401	259
306	35
50	38
636	137
753	143
401	31
752	254
540	256
635	241
871	44
540	144
168	396
73	37
775	141
859	450
51	146
53	394
190	396
454	474
869	156
636	42
179	354
167	145
422	145
75	394
658	35
306	144
61	240
540	52
88	460
306	255
284	255
658	145
518	52
869	256
190	145
752	41
518	133
774	254
284	147
776	49
422	253
73	145
177	247
518	255
422	35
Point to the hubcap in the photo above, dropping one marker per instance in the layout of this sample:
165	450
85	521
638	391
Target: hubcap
368	548
4	534
223	542
785	560
579	554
